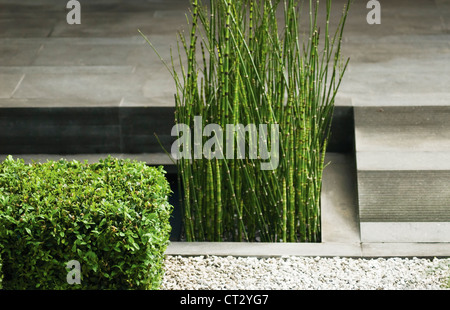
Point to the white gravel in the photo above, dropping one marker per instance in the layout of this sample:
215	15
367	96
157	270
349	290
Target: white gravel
305	273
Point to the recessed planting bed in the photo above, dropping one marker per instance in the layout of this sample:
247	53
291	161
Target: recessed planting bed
255	72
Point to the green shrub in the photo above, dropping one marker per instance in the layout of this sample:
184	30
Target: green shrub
112	217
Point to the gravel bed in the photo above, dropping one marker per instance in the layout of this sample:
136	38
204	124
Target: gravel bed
305	273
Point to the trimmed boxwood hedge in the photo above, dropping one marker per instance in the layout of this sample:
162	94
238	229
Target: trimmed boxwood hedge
112	217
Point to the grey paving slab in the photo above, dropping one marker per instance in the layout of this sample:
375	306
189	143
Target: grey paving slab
68	70
412	51
56	103
26	25
364	250
9	83
29	7
398	82
397	17
410	48
391	129
120	24
403	160
88	85
405	249
408	232
14	52
9	6
89	54
85	86
80	51
381	99
159	85
154	101
263	249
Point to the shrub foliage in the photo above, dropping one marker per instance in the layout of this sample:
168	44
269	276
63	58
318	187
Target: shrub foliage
112	217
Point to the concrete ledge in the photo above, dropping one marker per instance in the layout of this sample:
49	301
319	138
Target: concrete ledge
405	231
405	249
363	250
403	161
263	249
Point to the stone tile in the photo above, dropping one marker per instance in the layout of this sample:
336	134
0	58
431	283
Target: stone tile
72	70
402	129
405	232
82	87
403	160
118	24
179	14
154	101
26	26
55	53
397	17
400	99
134	51
262	249
14	52
401	17
159	85
398	78
30	4
405	249
362	49
55	103
9	83
134	5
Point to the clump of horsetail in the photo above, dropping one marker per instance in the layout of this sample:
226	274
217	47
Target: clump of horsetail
245	65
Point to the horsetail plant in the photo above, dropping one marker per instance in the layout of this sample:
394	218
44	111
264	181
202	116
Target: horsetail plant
246	65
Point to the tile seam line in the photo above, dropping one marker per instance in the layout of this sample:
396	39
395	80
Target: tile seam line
18	85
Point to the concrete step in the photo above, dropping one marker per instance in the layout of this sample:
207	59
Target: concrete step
403	173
